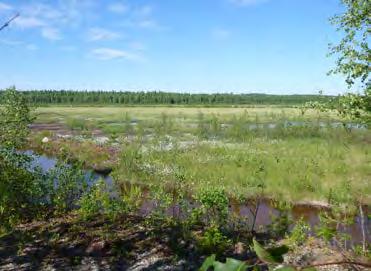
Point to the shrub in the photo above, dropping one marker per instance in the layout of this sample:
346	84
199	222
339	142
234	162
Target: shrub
18	191
91	202
214	204
67	184
213	241
299	233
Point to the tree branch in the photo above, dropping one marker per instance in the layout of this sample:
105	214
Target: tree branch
336	263
6	24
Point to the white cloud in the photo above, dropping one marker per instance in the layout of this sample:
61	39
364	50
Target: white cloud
244	3
13	43
66	13
148	23
28	22
109	53
5	7
220	34
31	47
118	7
137	46
144	11
68	48
42	11
98	34
51	33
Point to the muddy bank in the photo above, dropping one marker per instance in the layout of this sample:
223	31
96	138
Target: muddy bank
70	244
128	243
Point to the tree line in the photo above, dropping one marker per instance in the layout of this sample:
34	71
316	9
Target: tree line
46	97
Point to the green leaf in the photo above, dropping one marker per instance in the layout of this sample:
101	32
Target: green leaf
229	265
310	269
278	252
209	262
285	268
263	254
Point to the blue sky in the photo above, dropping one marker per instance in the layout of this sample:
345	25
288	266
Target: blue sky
266	46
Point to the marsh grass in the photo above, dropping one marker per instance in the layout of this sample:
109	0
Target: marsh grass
294	163
297	156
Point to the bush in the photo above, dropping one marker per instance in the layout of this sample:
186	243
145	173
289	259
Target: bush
213	241
214	204
67	183
18	187
299	233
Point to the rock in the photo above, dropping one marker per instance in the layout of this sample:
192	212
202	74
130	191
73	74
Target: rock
96	248
239	248
102	170
101	140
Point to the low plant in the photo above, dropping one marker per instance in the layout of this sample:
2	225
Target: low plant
131	198
67	184
271	259
98	200
76	123
213	241
213	209
299	233
280	223
327	227
162	202
91	202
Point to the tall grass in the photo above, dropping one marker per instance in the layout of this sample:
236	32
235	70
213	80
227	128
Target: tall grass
295	156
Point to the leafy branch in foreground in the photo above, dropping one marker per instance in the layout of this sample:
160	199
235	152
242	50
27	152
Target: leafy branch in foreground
15	116
353	59
353	50
271	258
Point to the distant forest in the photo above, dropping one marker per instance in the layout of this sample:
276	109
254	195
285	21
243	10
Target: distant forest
62	97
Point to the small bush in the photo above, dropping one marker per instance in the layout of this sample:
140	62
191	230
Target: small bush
67	184
299	233
213	241
214	204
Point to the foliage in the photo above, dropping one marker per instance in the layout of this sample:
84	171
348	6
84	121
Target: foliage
46	97
353	50
213	241
132	198
327	227
264	255
280	223
91	203
272	258
353	61
162	201
299	233
18	186
19	190
213	205
229	265
15	116
99	200
67	184
354	56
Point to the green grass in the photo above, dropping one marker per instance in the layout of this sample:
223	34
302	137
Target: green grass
290	169
218	147
117	114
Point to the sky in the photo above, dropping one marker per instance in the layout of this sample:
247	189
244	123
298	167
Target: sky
241	46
